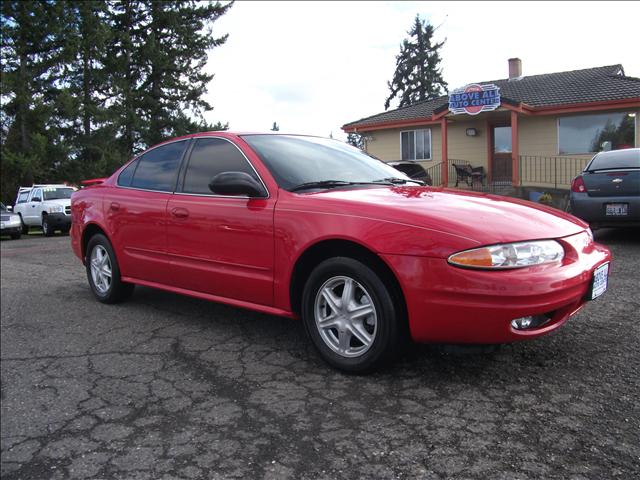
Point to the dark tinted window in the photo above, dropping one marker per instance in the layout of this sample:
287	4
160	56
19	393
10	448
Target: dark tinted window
124	179
618	159
158	169
209	157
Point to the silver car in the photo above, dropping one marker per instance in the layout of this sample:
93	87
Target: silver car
607	192
10	223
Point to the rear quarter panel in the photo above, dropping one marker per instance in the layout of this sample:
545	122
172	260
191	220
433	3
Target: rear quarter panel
86	209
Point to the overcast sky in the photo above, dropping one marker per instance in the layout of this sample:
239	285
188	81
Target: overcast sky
314	66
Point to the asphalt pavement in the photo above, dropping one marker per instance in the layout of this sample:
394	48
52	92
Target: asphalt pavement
169	387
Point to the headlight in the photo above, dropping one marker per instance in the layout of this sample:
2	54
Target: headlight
55	208
510	255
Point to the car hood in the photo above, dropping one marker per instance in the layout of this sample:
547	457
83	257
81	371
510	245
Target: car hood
481	218
59	201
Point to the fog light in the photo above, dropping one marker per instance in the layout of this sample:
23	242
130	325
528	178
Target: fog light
532	321
522	323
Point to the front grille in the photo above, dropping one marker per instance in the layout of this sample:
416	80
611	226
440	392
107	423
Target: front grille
67	209
4	218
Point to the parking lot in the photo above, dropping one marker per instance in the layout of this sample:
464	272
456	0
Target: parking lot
168	387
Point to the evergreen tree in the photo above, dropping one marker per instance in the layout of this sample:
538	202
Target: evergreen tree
356	140
82	103
30	51
275	127
87	84
174	54
417	76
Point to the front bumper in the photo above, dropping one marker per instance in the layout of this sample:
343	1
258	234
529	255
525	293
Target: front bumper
10	229
447	304
59	220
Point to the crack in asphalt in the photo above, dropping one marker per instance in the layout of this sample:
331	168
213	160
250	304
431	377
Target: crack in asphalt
170	387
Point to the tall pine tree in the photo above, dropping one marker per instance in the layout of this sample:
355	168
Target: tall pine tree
88	83
418	75
31	58
178	38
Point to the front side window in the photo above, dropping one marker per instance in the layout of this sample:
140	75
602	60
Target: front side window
37	194
596	133
158	168
416	144
22	198
209	157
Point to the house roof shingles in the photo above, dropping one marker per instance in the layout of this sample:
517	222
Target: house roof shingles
599	84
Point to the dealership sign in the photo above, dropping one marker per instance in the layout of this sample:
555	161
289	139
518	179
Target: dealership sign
474	99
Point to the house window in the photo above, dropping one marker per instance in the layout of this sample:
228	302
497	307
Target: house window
595	133
416	144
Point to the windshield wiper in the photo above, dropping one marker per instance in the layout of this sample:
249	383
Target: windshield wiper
398	181
335	184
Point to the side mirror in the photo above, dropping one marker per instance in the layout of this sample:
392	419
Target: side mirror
36	199
236	183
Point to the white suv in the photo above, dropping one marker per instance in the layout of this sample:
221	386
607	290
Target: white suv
45	206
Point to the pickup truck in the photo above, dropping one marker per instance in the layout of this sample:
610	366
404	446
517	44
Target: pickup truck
45	206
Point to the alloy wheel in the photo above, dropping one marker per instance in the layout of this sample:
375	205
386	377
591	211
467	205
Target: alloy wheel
101	269
345	316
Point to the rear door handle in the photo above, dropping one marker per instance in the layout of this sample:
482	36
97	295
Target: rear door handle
115	206
180	212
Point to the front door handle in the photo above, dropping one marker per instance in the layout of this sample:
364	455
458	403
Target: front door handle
180	212
115	206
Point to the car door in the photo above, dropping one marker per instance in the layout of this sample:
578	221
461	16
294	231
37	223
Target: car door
220	244
135	211
33	210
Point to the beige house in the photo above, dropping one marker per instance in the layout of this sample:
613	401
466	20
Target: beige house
538	130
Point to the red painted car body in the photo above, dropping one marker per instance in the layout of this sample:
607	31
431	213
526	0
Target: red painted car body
244	252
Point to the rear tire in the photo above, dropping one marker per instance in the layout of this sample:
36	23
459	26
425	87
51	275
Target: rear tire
25	227
349	315
103	272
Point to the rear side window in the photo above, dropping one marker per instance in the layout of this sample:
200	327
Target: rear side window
124	179
209	157
158	168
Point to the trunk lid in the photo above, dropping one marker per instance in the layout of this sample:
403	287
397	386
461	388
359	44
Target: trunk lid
612	183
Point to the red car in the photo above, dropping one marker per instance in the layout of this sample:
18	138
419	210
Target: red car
313	228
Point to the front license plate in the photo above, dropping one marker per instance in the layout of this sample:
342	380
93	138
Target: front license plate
616	209
600	281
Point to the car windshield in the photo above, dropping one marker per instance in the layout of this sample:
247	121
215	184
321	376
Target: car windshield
56	193
297	162
614	160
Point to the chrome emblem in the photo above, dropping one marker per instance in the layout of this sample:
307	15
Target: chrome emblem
616	180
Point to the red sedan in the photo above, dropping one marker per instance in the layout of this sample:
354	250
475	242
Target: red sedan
313	228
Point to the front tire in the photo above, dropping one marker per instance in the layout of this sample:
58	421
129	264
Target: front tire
103	272
47	229
16	236
349	315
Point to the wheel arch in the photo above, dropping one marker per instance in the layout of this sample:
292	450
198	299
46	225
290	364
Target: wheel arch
89	231
322	250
